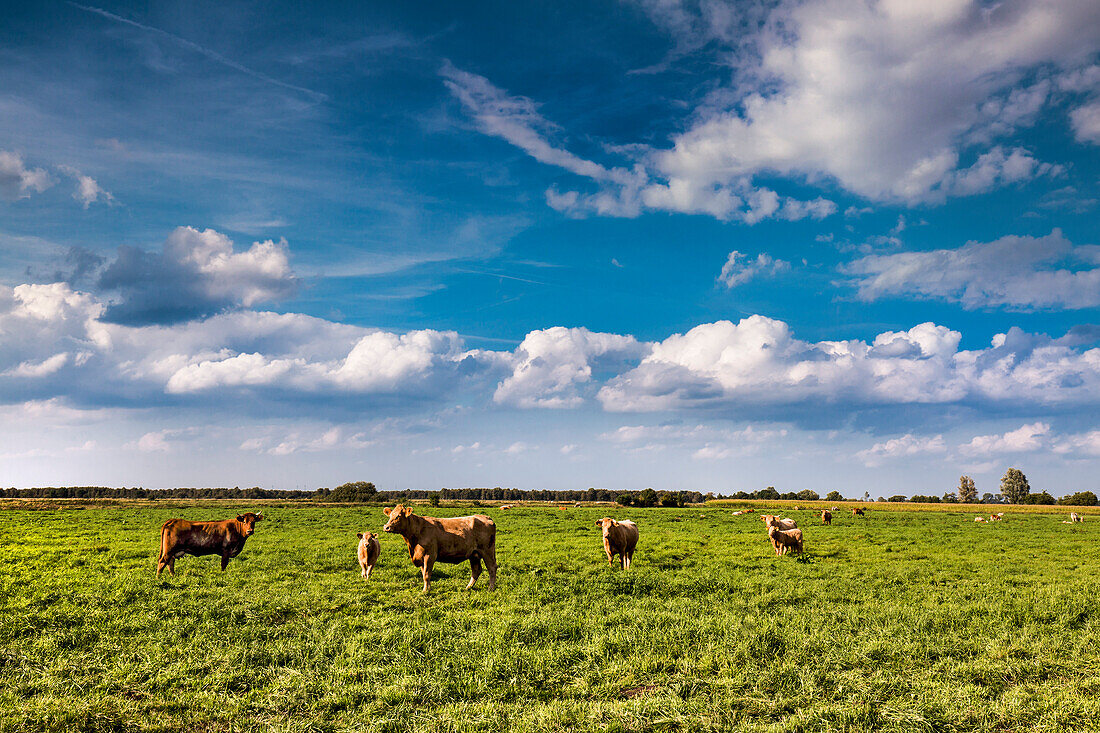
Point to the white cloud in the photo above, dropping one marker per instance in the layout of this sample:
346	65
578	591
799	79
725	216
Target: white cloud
17	181
1016	272
885	96
739	268
1024	439
195	273
154	442
88	191
906	445
552	366
1086	122
758	362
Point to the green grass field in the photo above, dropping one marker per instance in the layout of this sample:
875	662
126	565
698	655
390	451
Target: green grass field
905	620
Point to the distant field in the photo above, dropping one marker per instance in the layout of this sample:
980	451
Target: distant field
906	620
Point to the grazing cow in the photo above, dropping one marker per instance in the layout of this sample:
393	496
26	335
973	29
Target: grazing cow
785	539
503	507
737	514
826	516
619	538
178	537
858	511
979	519
1075	517
771	520
449	540
369	550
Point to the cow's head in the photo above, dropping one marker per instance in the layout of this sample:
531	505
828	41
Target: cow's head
366	535
606	523
249	521
399	518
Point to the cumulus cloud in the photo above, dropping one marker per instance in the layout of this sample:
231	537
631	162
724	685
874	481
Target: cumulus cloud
1086	122
883	97
906	445
1023	273
196	273
893	101
758	362
1024	439
88	191
56	343
17	181
552	366
740	268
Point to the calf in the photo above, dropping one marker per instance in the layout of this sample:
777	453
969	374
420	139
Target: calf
784	540
619	538
449	540
826	516
178	537
369	550
1075	517
858	512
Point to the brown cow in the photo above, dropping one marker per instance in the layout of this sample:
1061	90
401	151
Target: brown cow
858	511
782	540
178	537
826	516
450	540
369	550
619	538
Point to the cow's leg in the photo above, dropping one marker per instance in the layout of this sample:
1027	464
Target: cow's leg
161	565
366	572
475	572
225	559
491	564
629	559
426	571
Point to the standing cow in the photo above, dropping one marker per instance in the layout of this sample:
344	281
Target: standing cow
449	540
369	550
178	537
619	538
826	516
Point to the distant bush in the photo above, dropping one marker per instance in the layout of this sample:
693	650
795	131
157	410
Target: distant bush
1081	498
433	500
1041	498
768	494
834	496
920	499
807	495
896	497
623	499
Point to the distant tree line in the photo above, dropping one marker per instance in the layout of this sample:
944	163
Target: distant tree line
1014	490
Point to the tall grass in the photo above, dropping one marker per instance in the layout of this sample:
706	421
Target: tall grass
905	620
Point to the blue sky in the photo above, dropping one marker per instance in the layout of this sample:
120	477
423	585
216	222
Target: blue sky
705	245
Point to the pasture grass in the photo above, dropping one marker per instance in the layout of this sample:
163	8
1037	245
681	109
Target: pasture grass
903	621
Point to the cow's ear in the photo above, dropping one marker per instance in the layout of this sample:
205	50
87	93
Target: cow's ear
359	535
240	517
259	516
386	511
408	511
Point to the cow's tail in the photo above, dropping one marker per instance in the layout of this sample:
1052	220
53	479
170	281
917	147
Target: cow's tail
164	541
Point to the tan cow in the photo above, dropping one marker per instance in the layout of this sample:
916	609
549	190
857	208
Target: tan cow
447	539
858	512
784	540
772	520
369	550
826	516
178	537
619	538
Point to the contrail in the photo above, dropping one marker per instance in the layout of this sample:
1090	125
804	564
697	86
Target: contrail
212	55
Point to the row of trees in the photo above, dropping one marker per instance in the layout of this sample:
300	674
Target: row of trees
1015	489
